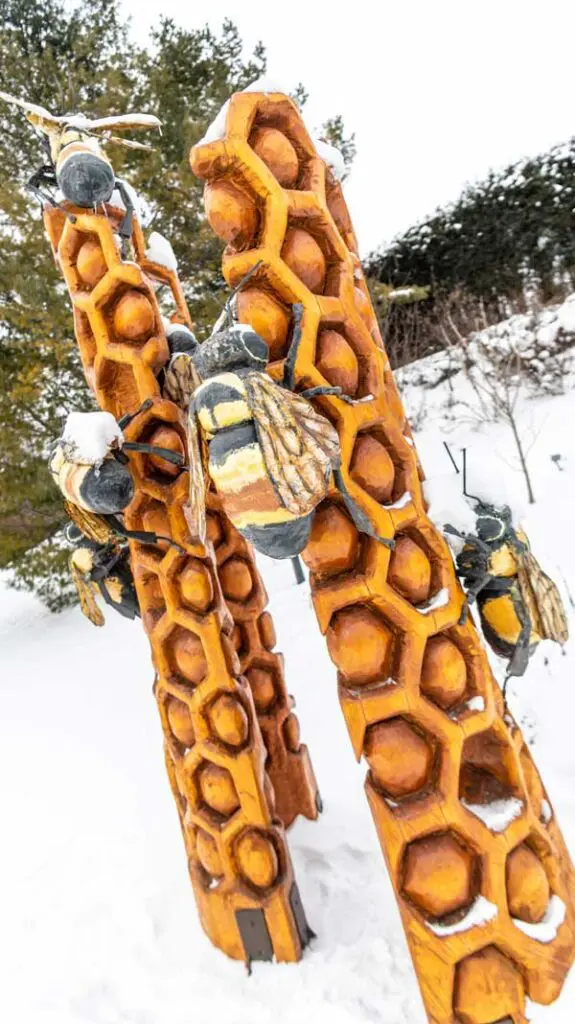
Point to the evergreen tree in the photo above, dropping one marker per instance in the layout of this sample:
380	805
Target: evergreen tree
83	59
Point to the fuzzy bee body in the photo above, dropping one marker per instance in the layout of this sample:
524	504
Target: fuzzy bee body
104	489
83	171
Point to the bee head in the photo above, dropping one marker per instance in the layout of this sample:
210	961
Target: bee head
181	339
236	348
492	521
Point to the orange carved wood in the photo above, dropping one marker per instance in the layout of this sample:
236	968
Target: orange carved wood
234	835
415	687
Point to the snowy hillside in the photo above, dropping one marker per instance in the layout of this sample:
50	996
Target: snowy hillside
98	919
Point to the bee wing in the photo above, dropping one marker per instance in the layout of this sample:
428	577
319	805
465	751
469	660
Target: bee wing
36	115
195	511
88	602
92	525
118	122
540	591
299	446
180	380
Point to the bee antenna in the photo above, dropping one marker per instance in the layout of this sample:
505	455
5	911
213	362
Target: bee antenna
228	305
465	491
449	452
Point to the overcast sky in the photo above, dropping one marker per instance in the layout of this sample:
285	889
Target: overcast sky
437	91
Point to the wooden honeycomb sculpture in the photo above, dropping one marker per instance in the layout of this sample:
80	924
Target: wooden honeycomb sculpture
415	687
219	684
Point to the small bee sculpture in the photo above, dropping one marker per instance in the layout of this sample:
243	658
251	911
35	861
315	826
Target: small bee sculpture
97	486
77	163
100	564
518	604
267	451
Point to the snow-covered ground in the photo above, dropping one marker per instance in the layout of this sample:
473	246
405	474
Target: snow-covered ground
98	924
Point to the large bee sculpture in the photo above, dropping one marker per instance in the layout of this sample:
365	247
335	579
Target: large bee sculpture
97	486
76	161
266	450
518	604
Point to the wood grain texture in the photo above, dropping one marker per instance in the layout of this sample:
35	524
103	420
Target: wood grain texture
406	670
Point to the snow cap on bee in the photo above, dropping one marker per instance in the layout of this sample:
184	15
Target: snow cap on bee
89	437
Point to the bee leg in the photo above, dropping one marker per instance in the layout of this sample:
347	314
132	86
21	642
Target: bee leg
464	613
123	422
357	514
520	658
288	380
125	229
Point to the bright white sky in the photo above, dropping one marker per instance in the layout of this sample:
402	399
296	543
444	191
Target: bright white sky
437	91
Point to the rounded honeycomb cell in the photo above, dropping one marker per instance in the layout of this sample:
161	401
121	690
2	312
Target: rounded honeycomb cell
276	150
337	362
90	262
236	579
208	854
180	721
528	890
291	733
488	770
214	529
196	585
257	859
155	520
267	631
188	655
372	467
488	988
228	720
134	316
165	436
263	686
217	789
304	256
267	317
333	543
444	672
439	874
399	756
232	215
409	570
360	644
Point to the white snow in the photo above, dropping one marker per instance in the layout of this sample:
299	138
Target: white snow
160	251
266	84
475	704
566	315
498	814
217	129
439	600
546	929
402	501
331	156
546	813
88	436
480	912
129	120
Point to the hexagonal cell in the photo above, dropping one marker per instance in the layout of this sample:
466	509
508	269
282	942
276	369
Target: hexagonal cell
334	542
257	858
90	262
443	673
118	380
278	153
208	854
440	874
133	316
236	579
488	988
304	256
489	785
162	435
291	733
217	791
151	597
337	361
215	529
180	721
267	631
232	214
401	757
187	655
264	685
528	888
155	520
372	467
268	317
361	644
410	568
196	585
228	720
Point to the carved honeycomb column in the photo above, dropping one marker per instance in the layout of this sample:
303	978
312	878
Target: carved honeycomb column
238	858
482	877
